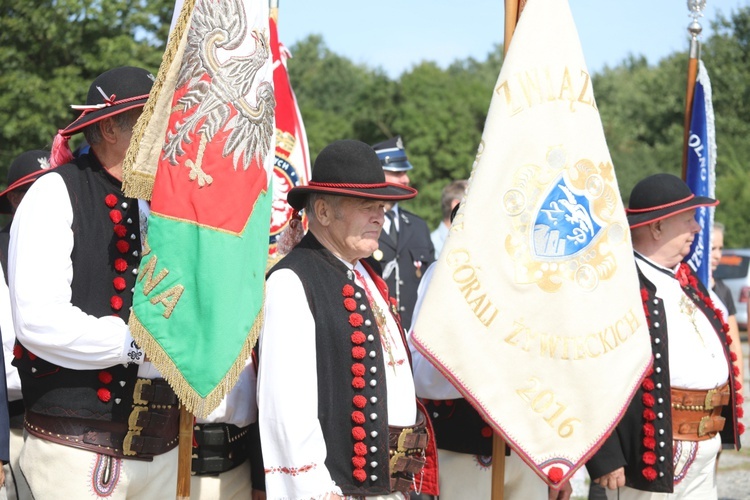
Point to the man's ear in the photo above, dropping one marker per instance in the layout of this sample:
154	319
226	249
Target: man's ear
323	212
108	130
655	229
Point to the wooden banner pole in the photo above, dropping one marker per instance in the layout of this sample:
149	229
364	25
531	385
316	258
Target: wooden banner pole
498	467
185	454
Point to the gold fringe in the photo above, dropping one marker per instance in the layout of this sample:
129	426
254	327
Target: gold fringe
197	405
135	183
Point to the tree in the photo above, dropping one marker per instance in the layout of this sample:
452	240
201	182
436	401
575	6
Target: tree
52	50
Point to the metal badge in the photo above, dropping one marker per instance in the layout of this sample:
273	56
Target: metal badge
377	254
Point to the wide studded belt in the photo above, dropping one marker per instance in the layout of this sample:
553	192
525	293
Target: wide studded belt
218	448
407	447
696	414
151	428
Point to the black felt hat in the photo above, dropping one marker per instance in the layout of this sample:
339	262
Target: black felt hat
392	155
113	92
349	168
660	196
23	171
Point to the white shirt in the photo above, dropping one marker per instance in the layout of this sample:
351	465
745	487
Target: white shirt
429	382
697	359
387	220
9	340
294	450
438	237
41	272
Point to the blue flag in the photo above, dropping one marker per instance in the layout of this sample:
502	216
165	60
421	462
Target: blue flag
701	171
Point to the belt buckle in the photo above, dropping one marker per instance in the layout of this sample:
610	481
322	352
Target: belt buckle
702	426
139	389
394	460
402	438
133	418
127	443
708	403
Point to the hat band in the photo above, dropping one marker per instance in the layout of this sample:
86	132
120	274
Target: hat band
88	108
348	185
658	207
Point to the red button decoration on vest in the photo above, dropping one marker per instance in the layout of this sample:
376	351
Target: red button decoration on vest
120	230
119	283
115	302
358	352
358	338
115	216
350	304
358	369
360	475
360	449
358	433
358	383
110	200
359	401
358	417
122	246
104	395
121	265
359	462
348	291
105	377
355	319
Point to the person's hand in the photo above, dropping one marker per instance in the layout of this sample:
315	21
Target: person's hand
613	480
564	493
258	495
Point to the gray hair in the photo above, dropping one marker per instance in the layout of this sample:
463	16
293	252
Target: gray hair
124	121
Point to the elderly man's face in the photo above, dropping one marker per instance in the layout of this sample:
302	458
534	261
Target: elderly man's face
677	234
355	226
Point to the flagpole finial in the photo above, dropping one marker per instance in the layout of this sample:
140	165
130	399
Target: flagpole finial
696	11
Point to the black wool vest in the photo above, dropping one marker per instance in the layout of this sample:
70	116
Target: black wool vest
358	466
105	257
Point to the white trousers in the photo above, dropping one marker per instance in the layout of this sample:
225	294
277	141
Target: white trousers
16	487
55	472
231	485
695	474
464	476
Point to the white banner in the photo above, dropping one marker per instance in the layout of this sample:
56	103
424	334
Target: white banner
534	312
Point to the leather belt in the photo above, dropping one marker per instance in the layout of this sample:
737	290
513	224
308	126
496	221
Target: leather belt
150	429
696	414
218	448
406	446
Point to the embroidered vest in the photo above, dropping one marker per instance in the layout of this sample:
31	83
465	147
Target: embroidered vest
352	410
105	258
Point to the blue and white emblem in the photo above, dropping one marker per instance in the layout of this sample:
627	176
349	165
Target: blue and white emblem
564	225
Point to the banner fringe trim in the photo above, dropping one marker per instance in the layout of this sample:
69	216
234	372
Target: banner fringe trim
141	186
199	406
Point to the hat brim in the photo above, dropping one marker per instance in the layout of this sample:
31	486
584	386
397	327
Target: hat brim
397	166
92	117
656	214
5	206
297	196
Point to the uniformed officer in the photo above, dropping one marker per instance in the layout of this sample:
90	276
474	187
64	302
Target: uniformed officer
405	248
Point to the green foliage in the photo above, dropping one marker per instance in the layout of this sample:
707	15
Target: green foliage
52	49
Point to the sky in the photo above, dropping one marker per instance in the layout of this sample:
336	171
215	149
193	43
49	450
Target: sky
395	36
